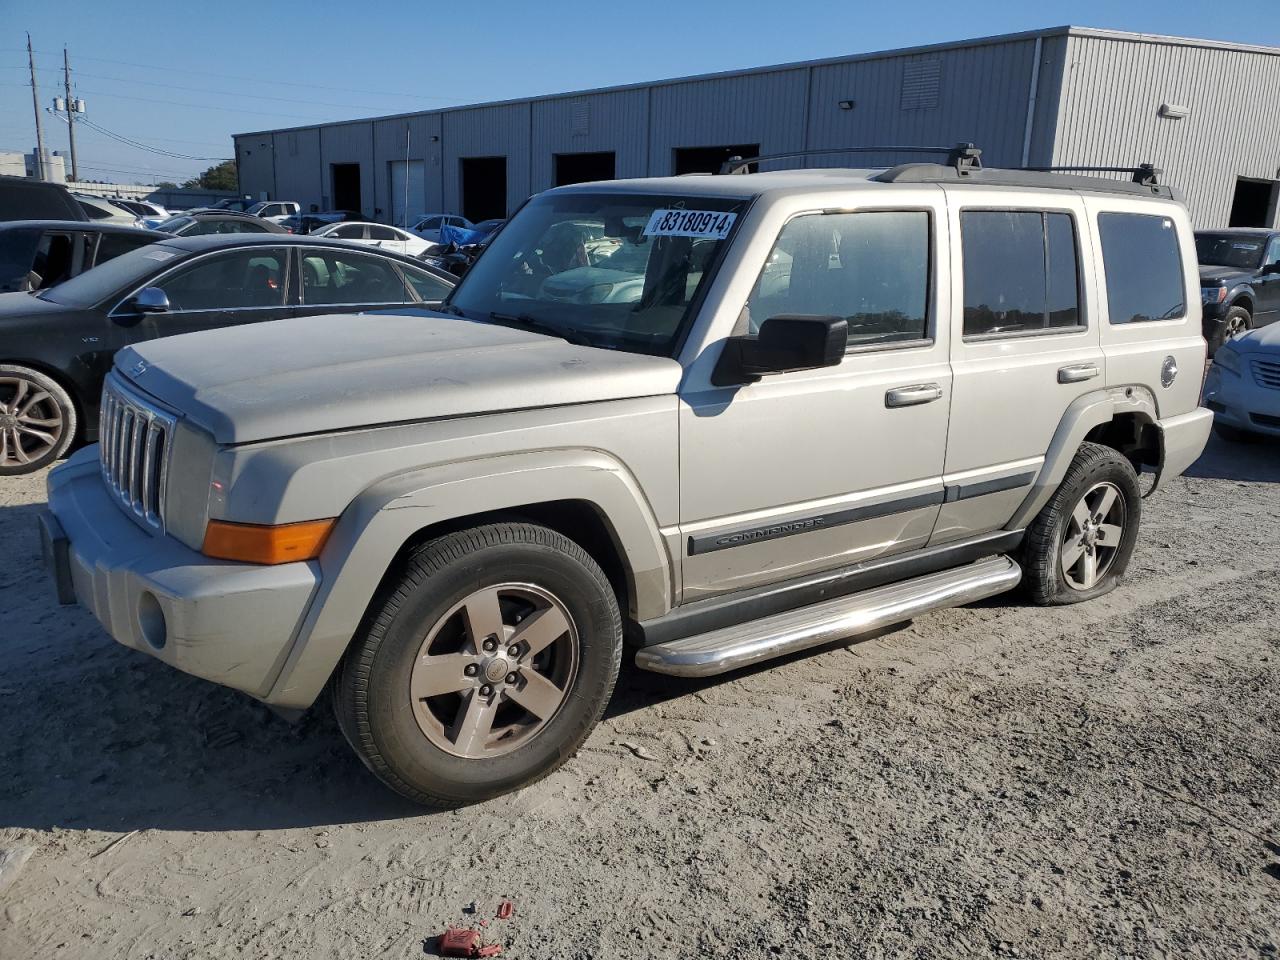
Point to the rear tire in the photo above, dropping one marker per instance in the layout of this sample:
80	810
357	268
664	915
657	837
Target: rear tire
483	666
1237	321
37	420
1079	545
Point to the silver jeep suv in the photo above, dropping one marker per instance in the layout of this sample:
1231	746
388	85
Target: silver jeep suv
709	419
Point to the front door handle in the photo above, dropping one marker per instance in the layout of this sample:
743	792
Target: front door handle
913	395
1077	373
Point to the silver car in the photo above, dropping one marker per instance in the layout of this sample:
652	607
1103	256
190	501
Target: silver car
1243	385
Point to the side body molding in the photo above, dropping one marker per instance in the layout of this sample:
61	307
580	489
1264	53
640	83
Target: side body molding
386	515
1086	412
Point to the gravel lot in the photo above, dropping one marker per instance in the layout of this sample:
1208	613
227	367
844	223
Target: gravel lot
1092	781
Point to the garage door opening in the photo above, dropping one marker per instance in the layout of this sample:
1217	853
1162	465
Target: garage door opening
1254	203
408	184
584	167
708	159
484	188
346	186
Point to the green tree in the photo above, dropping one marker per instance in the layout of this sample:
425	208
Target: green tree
221	176
166	185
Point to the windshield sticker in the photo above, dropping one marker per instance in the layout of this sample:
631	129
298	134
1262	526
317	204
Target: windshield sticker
1251	247
712	224
159	255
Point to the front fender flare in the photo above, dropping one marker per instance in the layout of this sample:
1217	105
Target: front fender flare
386	515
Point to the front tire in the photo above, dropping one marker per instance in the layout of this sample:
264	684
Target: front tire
483	666
1236	323
37	420
1080	544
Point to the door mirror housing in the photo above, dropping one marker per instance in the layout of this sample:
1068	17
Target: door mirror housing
1271	268
785	344
148	300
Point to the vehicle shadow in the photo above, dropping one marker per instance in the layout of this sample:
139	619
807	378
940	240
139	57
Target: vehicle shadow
1256	461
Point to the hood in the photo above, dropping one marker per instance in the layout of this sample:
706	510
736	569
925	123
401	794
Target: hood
340	372
1263	340
1213	273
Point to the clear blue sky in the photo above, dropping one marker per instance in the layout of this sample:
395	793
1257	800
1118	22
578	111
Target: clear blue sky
184	76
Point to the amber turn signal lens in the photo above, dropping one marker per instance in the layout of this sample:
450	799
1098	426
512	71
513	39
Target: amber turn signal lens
256	543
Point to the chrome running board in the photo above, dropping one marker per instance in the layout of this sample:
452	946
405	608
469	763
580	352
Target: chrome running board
731	648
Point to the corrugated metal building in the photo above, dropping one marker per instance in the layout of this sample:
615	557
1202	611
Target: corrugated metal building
1201	110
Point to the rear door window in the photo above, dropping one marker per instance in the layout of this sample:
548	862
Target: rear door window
378	232
1143	263
1021	272
330	277
17	253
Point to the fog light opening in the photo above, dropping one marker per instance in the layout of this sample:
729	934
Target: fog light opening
151	621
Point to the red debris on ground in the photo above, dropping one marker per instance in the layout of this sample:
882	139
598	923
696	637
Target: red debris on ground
505	909
492	950
460	943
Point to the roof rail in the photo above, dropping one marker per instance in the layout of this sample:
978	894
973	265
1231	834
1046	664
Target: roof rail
1144	180
964	157
1146	174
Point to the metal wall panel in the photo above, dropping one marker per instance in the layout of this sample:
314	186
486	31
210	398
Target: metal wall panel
982	95
348	143
256	163
599	122
1112	94
389	145
764	108
497	131
298	175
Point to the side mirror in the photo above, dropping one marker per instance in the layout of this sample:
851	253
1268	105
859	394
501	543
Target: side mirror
784	344
1271	268
149	300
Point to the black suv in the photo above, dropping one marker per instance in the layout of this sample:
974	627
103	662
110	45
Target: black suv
1239	281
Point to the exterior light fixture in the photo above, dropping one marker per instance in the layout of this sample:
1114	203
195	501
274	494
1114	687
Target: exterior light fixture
1174	111
846	104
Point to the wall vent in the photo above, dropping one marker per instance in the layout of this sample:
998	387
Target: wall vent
920	82
581	117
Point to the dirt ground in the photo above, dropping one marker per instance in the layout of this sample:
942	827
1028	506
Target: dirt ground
1091	781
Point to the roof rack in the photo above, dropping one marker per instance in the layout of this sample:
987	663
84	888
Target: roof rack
964	157
1144	178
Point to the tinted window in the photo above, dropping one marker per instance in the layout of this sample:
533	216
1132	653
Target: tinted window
113	244
431	223
1273	253
1144	267
331	277
426	285
17	249
54	258
1228	250
1020	272
347	233
870	268
244	278
381	233
95	212
116	277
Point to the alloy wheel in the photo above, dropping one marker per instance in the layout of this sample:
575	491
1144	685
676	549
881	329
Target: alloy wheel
1236	326
494	670
1093	536
31	422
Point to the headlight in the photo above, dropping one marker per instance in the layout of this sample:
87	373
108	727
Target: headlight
1228	360
1213	294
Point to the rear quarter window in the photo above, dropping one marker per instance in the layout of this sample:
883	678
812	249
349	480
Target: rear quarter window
1143	264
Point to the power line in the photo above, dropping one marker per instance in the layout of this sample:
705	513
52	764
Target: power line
231	76
143	146
193	106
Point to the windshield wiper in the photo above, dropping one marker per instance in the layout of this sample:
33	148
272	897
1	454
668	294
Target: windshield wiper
526	322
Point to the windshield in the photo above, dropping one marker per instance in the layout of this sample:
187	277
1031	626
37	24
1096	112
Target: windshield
1228	250
613	270
174	224
107	279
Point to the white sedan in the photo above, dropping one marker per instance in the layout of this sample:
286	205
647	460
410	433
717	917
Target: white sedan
428	224
376	235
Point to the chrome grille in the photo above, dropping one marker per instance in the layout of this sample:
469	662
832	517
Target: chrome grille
1267	373
133	443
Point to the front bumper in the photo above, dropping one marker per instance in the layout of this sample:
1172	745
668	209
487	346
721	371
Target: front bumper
231	623
1239	401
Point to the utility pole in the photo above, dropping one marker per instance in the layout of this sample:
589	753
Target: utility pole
71	114
35	102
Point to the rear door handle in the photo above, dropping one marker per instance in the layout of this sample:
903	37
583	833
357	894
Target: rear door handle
1077	373
913	395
